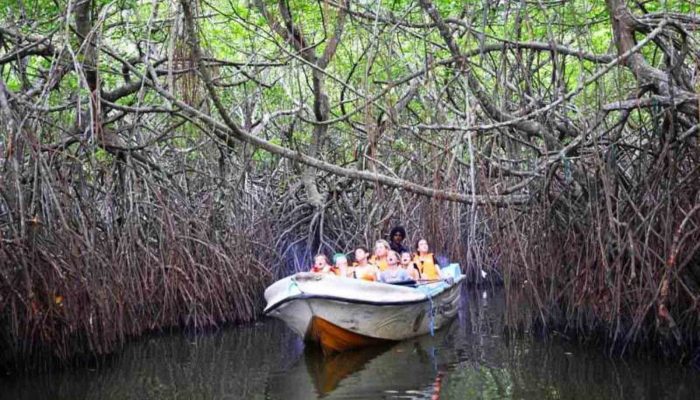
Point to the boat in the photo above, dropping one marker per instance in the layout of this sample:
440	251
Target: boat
342	314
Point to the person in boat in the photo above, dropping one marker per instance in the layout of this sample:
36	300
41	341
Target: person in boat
410	267
393	273
426	262
381	250
396	237
341	265
321	265
362	269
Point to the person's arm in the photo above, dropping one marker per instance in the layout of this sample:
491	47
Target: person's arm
416	270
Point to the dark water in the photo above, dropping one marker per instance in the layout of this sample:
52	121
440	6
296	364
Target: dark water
470	359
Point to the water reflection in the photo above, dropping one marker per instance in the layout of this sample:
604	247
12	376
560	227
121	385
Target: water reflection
468	359
406	368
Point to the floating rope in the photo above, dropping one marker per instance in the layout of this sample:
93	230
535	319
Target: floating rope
427	291
430	290
432	316
293	283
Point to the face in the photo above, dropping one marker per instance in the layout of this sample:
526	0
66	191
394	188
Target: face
405	258
360	255
380	250
397	238
320	262
341	263
391	259
423	246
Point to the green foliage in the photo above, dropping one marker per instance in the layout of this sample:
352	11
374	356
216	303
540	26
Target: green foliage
371	56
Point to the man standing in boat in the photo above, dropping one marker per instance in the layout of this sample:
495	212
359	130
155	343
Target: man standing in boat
396	237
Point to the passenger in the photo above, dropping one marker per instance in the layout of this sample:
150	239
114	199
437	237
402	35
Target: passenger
393	273
321	264
341	265
361	256
427	264
362	269
397	235
381	249
410	267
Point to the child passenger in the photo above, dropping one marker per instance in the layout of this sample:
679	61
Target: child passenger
321	265
362	269
393	272
409	266
341	265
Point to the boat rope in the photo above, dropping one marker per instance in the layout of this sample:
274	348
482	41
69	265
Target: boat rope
432	315
293	283
428	291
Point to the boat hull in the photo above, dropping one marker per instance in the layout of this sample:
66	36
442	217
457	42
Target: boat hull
335	338
343	314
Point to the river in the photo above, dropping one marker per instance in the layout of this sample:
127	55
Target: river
469	359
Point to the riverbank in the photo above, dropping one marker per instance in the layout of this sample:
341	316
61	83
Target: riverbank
64	298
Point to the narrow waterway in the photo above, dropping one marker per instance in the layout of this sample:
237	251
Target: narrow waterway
469	359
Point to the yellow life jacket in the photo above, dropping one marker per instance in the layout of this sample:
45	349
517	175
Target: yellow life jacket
426	266
381	264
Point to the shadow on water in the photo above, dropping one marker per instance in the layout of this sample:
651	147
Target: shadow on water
470	358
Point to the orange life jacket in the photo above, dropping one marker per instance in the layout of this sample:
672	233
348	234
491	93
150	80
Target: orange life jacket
331	269
381	264
315	269
426	266
362	274
366	276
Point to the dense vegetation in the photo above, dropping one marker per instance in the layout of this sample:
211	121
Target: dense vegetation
161	162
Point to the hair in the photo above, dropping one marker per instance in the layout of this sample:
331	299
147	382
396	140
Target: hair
363	248
405	252
397	229
321	255
398	258
384	243
339	256
418	241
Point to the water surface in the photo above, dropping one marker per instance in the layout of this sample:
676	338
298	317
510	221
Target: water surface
469	359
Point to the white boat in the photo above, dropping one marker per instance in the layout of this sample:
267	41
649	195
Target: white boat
343	313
